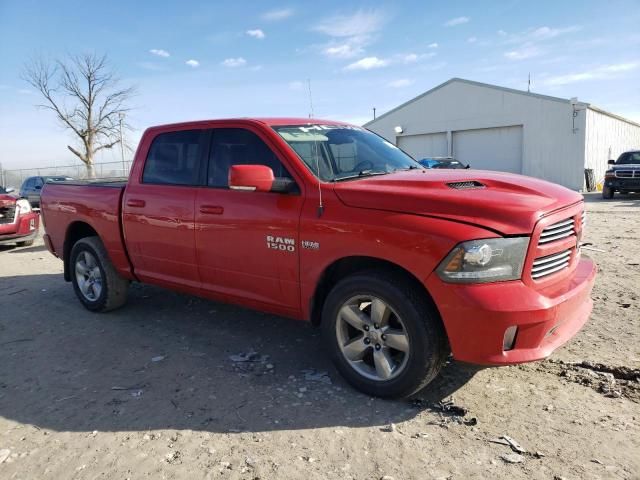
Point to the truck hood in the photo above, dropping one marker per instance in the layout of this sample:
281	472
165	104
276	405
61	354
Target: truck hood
6	200
506	203
626	166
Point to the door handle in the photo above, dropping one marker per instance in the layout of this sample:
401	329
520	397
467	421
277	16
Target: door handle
132	202
211	209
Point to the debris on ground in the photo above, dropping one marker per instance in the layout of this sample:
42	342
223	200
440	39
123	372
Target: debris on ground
4	454
512	458
611	381
159	358
450	412
510	442
250	356
316	376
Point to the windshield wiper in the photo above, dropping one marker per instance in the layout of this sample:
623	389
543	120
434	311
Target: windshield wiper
410	167
362	173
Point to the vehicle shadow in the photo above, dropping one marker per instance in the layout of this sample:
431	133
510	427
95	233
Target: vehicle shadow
619	200
32	249
163	361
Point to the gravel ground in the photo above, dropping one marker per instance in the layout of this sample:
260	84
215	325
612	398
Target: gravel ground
172	386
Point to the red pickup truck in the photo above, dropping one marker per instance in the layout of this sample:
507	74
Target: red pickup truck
328	222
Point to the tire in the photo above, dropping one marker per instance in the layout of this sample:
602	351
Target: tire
607	193
98	292
409	312
28	243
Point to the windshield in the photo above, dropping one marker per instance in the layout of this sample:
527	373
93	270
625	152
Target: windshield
629	158
340	152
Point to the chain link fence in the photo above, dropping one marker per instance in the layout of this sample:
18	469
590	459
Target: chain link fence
14	178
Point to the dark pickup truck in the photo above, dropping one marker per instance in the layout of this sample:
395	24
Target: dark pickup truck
623	176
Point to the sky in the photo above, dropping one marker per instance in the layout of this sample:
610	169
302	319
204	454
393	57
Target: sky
208	59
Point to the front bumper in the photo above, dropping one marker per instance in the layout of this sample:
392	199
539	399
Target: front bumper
476	317
624	184
25	228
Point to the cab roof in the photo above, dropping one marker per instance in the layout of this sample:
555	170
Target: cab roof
269	121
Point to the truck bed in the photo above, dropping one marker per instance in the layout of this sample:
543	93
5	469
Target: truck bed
80	204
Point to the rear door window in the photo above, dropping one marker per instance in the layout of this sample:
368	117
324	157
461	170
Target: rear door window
174	158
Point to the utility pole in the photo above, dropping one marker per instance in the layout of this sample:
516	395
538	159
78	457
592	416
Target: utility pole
374	113
2	180
124	165
529	83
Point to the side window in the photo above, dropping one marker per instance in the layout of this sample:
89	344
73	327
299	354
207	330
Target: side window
30	183
236	146
174	158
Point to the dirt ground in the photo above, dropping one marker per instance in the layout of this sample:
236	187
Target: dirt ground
158	389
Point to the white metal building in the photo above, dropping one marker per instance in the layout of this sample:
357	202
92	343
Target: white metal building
496	128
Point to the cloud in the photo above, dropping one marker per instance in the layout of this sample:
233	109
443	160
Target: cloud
472	40
277	14
414	57
296	85
234	62
400	83
544	33
193	63
433	45
25	91
367	63
159	52
457	21
347	48
362	22
539	34
603	72
527	51
257	33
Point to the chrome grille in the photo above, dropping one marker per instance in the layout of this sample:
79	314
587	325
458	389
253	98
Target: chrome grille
549	264
559	230
7	214
627	173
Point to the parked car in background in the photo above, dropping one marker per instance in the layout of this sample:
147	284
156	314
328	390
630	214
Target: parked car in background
441	162
328	222
18	222
32	187
623	176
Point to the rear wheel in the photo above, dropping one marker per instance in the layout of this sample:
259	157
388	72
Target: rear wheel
383	335
95	281
607	193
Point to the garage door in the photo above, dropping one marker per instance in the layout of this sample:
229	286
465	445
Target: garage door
427	145
490	148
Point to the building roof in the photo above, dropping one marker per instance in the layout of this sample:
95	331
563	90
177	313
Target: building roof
504	89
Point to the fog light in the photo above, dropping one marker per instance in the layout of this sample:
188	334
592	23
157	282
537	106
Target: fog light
509	338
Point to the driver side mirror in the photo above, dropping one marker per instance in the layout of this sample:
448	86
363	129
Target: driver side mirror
258	178
38	187
611	162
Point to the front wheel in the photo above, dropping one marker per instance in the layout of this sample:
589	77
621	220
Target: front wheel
383	335
607	193
96	283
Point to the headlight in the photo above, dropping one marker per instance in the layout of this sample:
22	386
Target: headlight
482	261
23	206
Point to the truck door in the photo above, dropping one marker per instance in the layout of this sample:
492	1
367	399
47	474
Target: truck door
158	210
247	242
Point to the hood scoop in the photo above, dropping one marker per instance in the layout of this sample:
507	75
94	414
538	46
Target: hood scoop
466	185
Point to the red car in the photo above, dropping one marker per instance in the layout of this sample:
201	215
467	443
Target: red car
328	222
18	223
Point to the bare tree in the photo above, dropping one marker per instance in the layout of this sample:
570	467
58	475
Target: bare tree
85	95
